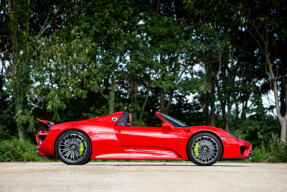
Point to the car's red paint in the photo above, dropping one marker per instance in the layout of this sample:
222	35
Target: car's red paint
45	121
110	141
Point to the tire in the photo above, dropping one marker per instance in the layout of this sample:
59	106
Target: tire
87	161
73	148
204	149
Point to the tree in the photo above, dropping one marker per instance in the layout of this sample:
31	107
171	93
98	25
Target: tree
266	24
264	21
20	34
15	58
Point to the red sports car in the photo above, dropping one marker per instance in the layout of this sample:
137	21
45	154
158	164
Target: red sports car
114	137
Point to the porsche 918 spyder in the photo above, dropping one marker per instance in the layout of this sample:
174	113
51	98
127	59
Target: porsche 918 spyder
114	137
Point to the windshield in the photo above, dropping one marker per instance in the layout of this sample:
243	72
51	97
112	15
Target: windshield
175	122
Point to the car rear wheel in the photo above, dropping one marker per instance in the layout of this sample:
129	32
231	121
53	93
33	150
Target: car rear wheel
87	161
204	149
73	148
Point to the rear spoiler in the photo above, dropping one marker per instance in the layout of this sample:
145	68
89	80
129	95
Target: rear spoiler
45	123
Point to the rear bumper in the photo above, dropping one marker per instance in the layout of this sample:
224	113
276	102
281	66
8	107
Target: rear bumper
46	157
43	144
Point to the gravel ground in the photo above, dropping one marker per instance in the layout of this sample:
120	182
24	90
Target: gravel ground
137	176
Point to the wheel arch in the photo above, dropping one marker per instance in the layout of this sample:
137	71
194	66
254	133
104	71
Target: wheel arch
204	131
71	129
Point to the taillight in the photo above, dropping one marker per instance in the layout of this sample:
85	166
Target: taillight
42	138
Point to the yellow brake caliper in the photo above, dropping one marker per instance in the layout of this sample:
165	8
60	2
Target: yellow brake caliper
81	148
196	149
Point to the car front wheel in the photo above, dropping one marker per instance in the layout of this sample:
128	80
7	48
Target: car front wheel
204	149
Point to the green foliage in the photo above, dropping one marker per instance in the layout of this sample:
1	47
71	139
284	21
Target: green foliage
260	155
259	127
72	60
4	133
275	151
139	123
15	150
65	55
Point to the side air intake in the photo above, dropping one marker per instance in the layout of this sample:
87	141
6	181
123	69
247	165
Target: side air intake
242	150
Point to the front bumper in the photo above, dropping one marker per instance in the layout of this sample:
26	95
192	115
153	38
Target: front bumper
235	148
236	159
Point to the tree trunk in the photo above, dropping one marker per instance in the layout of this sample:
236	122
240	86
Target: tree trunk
18	109
112	97
282	98
169	102
283	128
223	105
229	101
283	86
212	105
206	110
146	99
2	78
165	107
243	116
15	61
162	102
237	114
281	119
221	98
227	124
134	92
265	51
106	85
229	105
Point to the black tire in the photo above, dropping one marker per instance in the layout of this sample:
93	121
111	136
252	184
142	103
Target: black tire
204	149
87	161
73	148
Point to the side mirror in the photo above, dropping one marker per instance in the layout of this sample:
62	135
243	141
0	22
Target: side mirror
165	125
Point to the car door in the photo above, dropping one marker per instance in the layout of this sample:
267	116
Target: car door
149	138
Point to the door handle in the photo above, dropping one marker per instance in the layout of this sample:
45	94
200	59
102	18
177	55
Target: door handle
119	130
